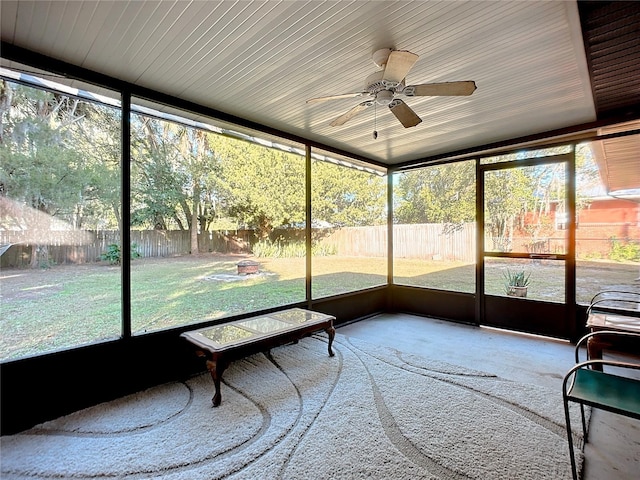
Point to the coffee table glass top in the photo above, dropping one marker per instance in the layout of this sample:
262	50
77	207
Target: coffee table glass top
297	316
223	336
226	334
264	324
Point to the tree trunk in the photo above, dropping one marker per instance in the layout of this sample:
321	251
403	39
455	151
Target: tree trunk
193	227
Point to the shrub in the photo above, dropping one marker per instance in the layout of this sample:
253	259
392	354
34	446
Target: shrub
278	249
112	255
281	249
624	252
324	250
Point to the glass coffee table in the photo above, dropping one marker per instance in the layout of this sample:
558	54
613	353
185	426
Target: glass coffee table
231	341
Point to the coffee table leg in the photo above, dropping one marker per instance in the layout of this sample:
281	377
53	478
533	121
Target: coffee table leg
332	334
216	368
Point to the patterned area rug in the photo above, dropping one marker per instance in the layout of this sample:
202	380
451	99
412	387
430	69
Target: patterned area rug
296	413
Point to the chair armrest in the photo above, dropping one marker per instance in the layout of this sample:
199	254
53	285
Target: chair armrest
602	333
612	308
609	292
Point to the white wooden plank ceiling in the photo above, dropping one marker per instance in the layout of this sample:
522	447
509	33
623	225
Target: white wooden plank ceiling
618	159
261	60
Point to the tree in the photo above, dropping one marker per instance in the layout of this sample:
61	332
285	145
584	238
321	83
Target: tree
197	162
156	183
439	194
98	142
261	187
173	176
347	197
49	164
515	198
507	195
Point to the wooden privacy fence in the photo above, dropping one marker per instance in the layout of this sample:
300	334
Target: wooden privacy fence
435	241
428	241
432	241
57	248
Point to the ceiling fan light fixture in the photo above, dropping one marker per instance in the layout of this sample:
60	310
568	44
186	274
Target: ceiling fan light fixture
384	97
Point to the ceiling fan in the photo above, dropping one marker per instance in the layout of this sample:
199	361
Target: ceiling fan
386	85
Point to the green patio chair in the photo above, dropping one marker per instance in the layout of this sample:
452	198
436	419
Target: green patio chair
588	384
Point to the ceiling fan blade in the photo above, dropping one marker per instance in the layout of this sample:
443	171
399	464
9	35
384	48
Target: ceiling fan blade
398	65
440	89
404	114
336	97
345	117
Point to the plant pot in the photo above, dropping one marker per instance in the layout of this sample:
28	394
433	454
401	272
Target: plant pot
517	292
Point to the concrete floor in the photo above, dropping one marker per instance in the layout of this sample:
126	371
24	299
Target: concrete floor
613	448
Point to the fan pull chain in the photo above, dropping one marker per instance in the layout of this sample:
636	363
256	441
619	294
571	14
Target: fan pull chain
375	120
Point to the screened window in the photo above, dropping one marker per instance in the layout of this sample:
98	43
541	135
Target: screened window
434	227
348	220
217	223
60	218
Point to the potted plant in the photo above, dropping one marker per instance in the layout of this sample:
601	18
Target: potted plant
516	283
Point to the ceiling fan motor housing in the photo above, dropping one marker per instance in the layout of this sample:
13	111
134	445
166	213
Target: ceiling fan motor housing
375	83
381	56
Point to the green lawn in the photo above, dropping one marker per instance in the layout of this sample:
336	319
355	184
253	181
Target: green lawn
67	306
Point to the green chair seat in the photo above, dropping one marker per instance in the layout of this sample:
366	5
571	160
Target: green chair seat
606	391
